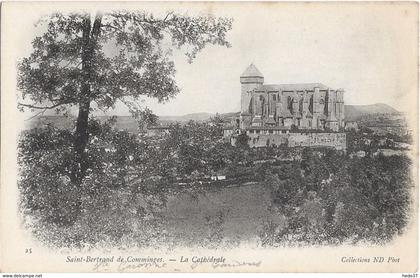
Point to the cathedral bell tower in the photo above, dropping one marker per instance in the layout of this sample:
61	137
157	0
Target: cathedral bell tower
250	79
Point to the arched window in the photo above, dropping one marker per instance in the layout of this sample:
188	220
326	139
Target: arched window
262	99
325	105
290	104
311	104
301	105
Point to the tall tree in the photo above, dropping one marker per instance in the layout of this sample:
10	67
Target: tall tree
103	58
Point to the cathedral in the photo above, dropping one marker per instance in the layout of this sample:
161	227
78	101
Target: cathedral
288	107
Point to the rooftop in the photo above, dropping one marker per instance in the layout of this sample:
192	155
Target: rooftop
293	87
158	127
267	128
252	71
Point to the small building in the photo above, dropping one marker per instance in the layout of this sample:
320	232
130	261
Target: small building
218	178
383	141
351	125
401	145
157	130
391	152
361	154
228	131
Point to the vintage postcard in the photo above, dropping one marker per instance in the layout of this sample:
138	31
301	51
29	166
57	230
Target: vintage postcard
209	137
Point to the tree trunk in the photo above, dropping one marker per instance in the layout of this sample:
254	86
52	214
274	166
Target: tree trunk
80	142
81	136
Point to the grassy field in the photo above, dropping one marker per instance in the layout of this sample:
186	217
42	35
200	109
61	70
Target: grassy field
226	217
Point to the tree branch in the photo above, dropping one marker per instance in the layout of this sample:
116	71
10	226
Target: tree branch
113	27
37	114
166	17
43	107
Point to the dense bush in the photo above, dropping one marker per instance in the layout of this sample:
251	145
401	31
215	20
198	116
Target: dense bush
334	199
111	203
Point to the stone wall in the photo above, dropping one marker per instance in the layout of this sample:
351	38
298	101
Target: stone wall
332	139
262	140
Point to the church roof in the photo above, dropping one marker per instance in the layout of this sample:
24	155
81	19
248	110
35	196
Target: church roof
252	71
294	87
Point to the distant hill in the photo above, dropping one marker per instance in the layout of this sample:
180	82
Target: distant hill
355	112
123	122
188	117
199	117
352	113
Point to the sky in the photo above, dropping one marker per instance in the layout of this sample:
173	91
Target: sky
368	49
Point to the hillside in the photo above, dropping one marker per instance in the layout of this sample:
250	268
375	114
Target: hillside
352	113
187	117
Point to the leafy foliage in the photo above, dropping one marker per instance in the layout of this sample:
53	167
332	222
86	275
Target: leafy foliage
127	58
364	199
317	196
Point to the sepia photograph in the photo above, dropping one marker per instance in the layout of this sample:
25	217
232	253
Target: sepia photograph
209	137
